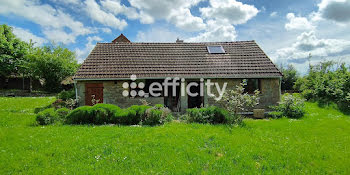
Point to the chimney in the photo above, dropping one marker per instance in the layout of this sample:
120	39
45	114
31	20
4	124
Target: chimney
179	41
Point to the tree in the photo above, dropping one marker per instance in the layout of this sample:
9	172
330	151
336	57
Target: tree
53	64
235	100
12	51
290	76
326	83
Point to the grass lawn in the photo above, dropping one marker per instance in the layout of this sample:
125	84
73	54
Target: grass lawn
317	144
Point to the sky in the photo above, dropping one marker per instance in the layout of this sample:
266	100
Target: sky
289	31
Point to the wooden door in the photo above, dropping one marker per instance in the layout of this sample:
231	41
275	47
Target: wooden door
93	91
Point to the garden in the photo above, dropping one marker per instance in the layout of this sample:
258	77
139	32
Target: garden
315	144
306	133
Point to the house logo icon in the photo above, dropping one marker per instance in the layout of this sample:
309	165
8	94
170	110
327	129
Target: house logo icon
133	86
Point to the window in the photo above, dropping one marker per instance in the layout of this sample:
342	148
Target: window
252	85
215	49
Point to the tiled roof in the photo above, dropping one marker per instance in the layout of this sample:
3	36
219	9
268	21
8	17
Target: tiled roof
242	59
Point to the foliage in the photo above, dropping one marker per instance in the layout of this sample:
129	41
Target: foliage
47	117
53	64
157	115
12	51
290	76
212	114
103	113
290	107
235	100
112	114
316	144
65	95
327	82
62	113
81	115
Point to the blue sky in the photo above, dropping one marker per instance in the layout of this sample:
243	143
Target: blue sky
288	30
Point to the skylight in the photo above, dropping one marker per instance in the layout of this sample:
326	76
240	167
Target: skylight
215	49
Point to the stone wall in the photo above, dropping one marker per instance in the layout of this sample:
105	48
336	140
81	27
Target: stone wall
112	93
270	91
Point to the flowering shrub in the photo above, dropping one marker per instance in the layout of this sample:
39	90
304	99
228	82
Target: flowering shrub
290	107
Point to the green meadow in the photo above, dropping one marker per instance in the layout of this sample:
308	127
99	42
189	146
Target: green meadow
319	143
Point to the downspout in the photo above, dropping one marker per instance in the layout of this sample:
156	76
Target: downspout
76	90
280	87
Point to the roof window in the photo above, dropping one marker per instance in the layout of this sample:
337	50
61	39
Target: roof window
215	49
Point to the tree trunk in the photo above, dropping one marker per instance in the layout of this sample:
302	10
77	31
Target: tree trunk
30	84
23	82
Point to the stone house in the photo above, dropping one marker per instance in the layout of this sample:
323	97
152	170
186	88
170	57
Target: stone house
107	73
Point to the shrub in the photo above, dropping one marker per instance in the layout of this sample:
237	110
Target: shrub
103	113
46	117
290	107
157	115
107	113
140	112
37	110
81	115
210	114
65	95
62	113
327	83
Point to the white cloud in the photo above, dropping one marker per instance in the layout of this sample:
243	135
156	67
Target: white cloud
176	12
59	36
298	23
307	43
115	7
67	2
106	30
83	53
229	10
183	19
335	10
273	14
46	16
96	13
215	31
26	35
158	34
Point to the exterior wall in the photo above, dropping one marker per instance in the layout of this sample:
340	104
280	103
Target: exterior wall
112	94
270	93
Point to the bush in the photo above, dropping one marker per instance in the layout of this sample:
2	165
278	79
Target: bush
65	95
103	113
210	114
107	113
327	83
62	113
157	115
290	107
40	109
81	115
47	117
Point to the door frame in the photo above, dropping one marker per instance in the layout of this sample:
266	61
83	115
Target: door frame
93	86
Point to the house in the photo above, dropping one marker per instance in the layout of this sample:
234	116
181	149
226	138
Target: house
123	72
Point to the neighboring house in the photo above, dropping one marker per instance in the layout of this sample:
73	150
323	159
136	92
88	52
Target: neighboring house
103	74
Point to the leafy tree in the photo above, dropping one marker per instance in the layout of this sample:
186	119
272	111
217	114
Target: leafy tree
327	82
290	76
235	100
53	64
12	51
